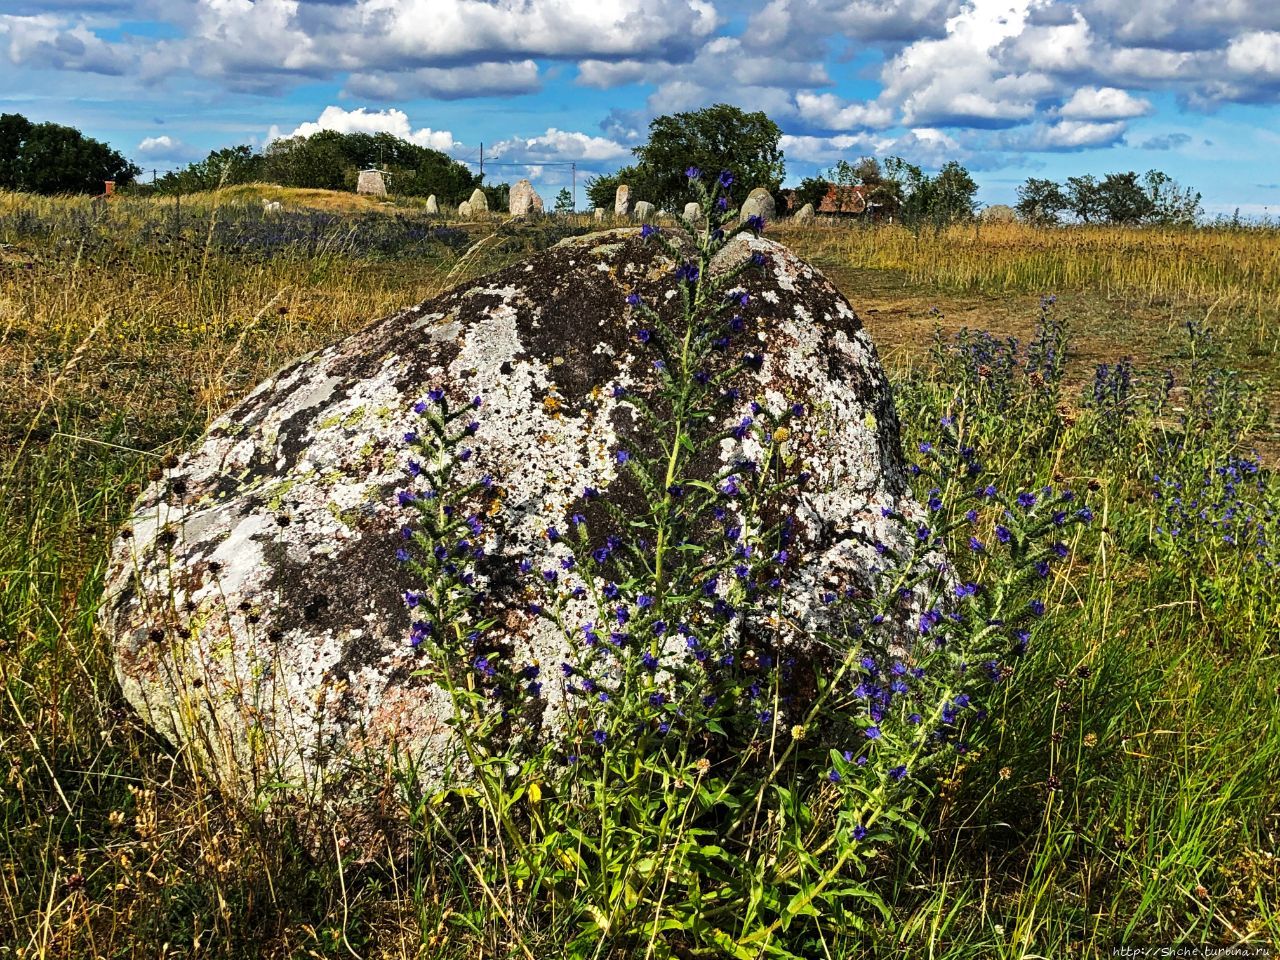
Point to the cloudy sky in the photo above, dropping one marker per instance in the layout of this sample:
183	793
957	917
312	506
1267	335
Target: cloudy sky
1011	88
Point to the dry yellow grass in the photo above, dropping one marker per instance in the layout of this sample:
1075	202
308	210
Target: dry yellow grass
1236	270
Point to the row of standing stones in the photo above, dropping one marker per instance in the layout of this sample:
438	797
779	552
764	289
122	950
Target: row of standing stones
254	598
524	201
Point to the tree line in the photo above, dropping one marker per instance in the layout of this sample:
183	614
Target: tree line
1154	198
329	160
50	158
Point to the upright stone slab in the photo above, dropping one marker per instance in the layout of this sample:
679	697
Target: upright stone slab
256	603
759	203
524	201
464	209
433	206
644	211
805	214
599	214
479	202
622	201
371	184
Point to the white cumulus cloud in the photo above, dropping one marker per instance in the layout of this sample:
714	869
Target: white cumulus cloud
362	120
1103	103
561	145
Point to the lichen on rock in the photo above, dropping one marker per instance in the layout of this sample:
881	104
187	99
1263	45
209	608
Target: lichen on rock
256	603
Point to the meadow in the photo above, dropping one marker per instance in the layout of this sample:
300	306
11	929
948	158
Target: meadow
1124	791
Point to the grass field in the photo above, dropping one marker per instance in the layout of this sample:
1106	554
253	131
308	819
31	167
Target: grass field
1151	703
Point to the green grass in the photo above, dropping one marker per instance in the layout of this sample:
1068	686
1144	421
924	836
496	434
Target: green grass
1151	699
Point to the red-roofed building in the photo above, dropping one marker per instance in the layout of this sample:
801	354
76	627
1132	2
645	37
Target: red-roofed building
841	201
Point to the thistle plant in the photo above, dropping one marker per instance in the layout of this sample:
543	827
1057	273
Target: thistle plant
700	775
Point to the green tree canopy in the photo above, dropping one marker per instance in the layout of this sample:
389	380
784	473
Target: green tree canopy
716	138
226	167
1041	201
928	201
51	158
329	160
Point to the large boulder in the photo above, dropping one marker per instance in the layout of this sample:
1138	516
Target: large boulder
255	598
464	209
622	201
759	203
805	214
524	200
479	202
432	206
645	211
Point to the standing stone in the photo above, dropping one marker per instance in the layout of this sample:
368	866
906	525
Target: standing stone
622	201
538	207
805	214
256	604
644	211
693	211
479	202
522	200
599	213
759	203
464	209
433	205
371	184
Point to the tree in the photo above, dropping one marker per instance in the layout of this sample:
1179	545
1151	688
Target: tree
954	190
1040	202
14	128
922	200
1123	199
221	168
497	195
564	201
1172	205
602	189
721	137
51	158
1084	198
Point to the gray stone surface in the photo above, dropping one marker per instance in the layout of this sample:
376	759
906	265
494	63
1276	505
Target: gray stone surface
370	183
524	200
464	209
622	201
479	202
433	205
599	214
805	214
645	211
693	211
759	203
255	603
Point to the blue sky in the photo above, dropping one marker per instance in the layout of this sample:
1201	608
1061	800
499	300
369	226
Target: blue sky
1010	88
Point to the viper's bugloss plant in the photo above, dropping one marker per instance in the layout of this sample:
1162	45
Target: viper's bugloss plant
699	776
